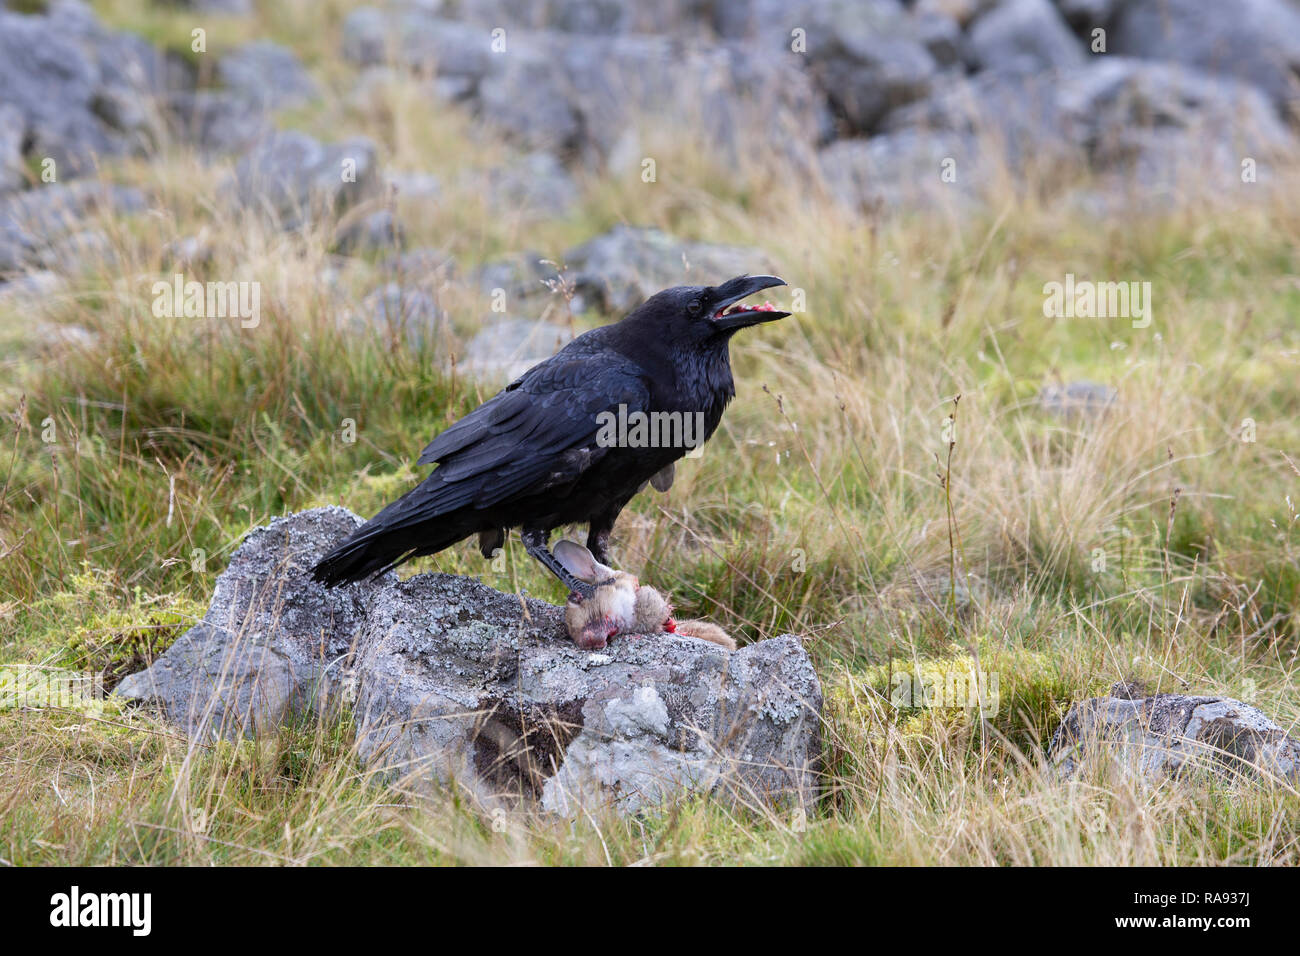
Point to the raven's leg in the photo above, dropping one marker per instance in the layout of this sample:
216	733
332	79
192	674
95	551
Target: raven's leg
535	544
489	542
598	531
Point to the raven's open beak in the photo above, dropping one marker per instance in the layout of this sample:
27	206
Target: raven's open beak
729	316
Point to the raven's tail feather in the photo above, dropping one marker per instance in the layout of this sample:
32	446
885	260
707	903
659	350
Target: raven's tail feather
376	548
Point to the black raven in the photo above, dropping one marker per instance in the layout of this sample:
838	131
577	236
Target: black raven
543	452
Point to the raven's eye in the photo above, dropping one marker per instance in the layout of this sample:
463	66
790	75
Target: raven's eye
694	307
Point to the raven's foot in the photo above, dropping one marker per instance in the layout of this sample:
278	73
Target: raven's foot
535	545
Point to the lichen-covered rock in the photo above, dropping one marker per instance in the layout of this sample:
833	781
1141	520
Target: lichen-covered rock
451	681
267	639
1165	735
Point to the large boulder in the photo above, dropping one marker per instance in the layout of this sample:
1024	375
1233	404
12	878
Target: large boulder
1024	36
265	647
84	92
1166	735
579	95
451	681
505	348
908	168
218	121
296	180
619	269
256	78
868	58
267	74
33	221
13	129
1256	41
1159	121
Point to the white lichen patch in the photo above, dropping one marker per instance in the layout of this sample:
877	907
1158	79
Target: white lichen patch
644	713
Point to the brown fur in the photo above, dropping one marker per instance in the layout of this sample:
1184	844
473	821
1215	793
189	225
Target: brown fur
622	605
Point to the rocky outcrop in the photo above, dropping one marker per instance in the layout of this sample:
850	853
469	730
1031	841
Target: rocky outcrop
34	222
1255	41
1157	124
295	179
616	271
574	93
1024	36
1168	735
450	681
84	92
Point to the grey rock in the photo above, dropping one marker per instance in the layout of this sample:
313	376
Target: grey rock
574	94
84	91
57	336
1024	36
268	640
377	230
1086	15
418	186
868	58
1112	108
1114	114
32	288
1167	735
33	220
86	250
13	130
1017	111
505	348
1255	41
453	682
218	121
940	35
296	180
267	74
405	312
423	266
904	169
586	17
416	39
1077	399
525	282
189	251
535	184
620	269
524	273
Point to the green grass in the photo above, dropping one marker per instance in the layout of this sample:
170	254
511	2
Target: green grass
817	509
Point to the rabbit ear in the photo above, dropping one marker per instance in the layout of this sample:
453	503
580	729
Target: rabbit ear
579	562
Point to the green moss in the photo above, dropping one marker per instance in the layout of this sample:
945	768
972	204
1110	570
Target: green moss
113	635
